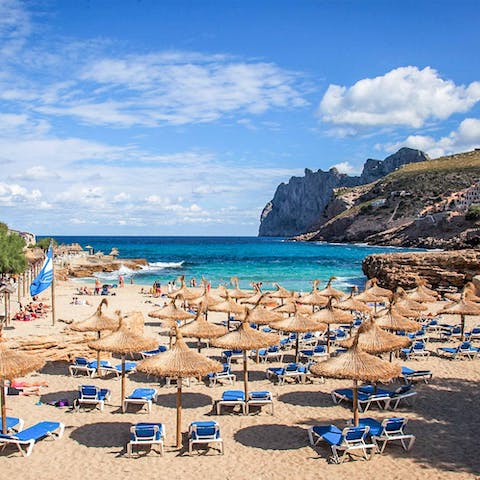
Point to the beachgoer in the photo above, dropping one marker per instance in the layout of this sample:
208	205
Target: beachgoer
121	281
97	286
24	388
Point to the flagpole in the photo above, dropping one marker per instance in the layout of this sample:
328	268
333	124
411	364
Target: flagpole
53	292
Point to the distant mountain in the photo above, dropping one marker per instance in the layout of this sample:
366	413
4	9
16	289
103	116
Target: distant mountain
411	207
299	206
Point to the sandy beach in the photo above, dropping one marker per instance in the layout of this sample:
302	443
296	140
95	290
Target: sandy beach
444	418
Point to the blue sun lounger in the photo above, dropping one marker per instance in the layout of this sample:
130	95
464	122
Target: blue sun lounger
410	375
117	369
151	353
232	398
141	396
225	374
389	430
91	395
28	437
81	365
347	440
13	423
204	433
258	399
464	350
146	434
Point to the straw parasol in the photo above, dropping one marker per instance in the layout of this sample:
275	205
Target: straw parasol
299	324
171	312
246	338
179	362
355	364
375	340
200	328
374	289
420	296
393	321
353	304
237	292
207	299
281	293
331	315
291	307
184	292
261	315
422	287
98	322
331	292
314	298
14	363
123	341
401	298
463	308
228	306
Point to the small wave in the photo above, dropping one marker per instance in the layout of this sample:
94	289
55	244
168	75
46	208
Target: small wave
153	267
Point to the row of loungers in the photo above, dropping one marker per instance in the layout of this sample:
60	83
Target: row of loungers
81	365
369	437
150	434
419	351
369	395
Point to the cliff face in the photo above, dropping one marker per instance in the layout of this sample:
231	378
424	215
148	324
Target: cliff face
299	206
388	211
443	270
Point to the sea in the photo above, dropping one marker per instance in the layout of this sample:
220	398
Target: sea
294	265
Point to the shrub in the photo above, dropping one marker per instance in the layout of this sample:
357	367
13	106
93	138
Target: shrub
473	212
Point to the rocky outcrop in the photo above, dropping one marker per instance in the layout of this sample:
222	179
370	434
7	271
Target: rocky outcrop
442	270
87	266
299	206
375	169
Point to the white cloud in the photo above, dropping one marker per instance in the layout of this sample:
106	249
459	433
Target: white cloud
347	167
405	96
13	193
466	137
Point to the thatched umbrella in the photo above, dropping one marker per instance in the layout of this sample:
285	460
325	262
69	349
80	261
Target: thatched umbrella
353	304
401	299
331	315
299	324
355	364
463	308
261	315
246	338
179	362
207	299
375	340
184	292
422	287
123	341
313	298
200	329
374	289
420	296
331	292
228	306
291	307
98	322
14	363
281	293
393	321
237	292
258	297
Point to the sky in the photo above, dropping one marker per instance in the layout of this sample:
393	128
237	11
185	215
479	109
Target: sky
175	117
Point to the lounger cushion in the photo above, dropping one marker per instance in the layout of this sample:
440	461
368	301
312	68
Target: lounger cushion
35	432
146	430
233	395
142	393
12	422
330	433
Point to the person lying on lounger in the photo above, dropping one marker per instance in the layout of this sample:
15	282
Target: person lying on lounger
24	388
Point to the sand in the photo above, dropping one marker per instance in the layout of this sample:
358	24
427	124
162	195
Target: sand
445	419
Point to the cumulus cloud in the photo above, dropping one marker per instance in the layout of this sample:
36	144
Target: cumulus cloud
12	193
405	96
465	137
347	167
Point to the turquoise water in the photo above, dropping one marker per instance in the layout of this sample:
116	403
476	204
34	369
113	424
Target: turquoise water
292	264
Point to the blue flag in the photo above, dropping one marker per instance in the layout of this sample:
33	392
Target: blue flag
44	279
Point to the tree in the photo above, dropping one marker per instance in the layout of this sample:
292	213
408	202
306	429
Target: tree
473	212
12	258
44	243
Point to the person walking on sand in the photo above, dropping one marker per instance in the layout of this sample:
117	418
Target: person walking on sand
121	281
97	287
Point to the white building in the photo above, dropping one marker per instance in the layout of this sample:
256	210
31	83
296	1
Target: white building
468	197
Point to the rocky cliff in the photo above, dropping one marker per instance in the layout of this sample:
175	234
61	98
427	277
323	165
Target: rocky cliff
391	211
299	206
443	270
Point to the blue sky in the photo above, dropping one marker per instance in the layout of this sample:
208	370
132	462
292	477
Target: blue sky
182	117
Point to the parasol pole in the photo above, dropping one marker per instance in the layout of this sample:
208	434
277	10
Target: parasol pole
98	357
296	347
355	403
462	318
53	292
4	408
179	412
123	379
328	338
245	375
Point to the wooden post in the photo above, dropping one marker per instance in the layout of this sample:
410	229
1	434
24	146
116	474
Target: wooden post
328	338
98	356
462	318
4	407
355	403
53	293
18	288
245	375
296	347
179	412
24	284
123	381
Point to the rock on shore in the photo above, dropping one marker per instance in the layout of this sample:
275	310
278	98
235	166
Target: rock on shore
443	270
87	266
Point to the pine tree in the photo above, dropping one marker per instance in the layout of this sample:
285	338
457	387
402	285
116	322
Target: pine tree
12	258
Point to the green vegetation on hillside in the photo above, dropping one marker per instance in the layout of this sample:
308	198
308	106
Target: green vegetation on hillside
12	258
